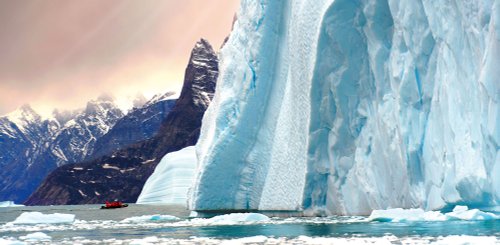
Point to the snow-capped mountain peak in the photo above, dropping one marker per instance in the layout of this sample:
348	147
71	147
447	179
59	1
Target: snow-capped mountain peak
95	121
161	97
24	120
24	115
30	146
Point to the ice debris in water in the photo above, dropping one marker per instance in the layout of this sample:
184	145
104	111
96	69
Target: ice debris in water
7	204
387	239
229	219
463	213
36	237
40	218
402	215
147	240
147	218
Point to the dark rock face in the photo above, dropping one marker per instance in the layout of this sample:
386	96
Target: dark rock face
122	174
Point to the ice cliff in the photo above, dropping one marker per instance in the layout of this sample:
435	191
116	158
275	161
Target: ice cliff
343	107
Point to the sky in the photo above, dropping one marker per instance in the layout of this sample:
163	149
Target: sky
63	53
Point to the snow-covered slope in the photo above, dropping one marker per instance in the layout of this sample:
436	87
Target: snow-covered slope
171	179
30	147
75	140
139	124
24	138
342	107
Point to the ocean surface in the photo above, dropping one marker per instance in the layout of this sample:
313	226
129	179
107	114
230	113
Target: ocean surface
148	224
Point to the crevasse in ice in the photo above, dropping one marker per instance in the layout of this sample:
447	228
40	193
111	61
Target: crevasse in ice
343	107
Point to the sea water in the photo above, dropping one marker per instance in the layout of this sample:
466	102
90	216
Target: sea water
149	224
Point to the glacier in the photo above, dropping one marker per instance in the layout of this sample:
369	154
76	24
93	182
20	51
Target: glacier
344	107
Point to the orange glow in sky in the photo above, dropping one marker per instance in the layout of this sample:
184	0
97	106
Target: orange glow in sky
62	53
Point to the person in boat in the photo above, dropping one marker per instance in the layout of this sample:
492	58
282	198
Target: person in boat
115	204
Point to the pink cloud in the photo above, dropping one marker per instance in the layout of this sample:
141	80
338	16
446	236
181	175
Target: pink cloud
62	53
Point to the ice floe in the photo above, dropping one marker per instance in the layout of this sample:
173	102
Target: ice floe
40	218
150	218
36	237
7	204
388	239
402	215
230	219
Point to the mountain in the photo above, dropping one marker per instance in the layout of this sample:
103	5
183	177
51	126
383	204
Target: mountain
139	124
76	139
23	137
342	107
32	147
121	174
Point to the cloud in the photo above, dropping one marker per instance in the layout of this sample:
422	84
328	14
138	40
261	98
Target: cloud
60	54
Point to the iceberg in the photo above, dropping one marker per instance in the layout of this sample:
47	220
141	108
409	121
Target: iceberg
231	219
344	107
170	182
412	215
405	215
40	218
463	213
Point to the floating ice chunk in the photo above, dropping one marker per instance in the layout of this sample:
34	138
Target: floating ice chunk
403	215
146	240
39	218
247	240
239	217
230	219
387	239
148	218
10	241
466	240
463	213
6	204
36	237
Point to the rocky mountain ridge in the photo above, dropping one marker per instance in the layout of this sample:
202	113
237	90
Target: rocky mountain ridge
31	147
121	174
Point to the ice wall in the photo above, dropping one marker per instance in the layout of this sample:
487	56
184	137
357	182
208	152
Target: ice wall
342	107
170	182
